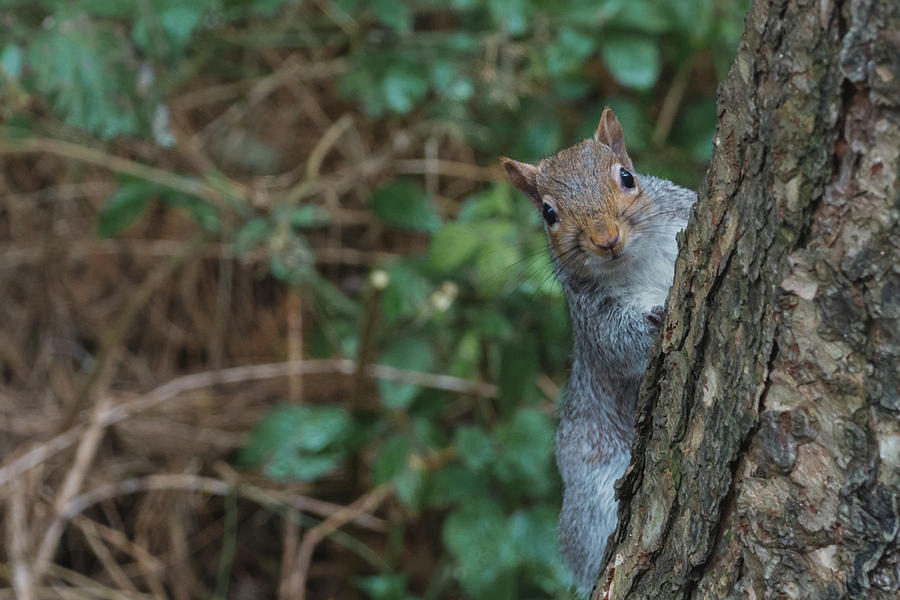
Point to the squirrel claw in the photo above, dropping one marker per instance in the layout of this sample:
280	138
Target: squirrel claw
656	316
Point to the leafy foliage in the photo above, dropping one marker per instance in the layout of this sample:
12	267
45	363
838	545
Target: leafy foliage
471	293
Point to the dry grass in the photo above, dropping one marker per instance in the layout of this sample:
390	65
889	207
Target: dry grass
117	421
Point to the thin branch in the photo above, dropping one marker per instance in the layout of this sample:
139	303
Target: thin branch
17	542
84	456
18	256
672	101
188	185
365	504
114	414
446	168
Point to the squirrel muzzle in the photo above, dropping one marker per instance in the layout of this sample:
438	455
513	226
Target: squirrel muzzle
606	241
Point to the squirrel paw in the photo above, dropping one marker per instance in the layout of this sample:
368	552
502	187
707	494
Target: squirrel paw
656	315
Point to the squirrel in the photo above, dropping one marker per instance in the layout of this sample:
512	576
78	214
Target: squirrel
612	237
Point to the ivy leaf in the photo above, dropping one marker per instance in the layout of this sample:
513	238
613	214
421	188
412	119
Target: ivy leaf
452	246
475	448
82	69
414	354
406	294
633	61
11	59
527	450
451	484
393	13
384	587
568	51
405	204
300	442
536	536
392	458
478	536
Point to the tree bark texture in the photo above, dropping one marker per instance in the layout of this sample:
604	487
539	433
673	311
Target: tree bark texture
767	461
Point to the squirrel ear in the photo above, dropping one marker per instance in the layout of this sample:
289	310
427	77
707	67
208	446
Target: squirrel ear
523	176
610	133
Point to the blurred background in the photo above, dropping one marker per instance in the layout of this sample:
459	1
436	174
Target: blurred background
272	323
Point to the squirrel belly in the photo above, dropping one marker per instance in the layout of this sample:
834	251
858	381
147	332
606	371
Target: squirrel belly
596	424
612	237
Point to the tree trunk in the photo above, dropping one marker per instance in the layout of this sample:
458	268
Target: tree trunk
767	463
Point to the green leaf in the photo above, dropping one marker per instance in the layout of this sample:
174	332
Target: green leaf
467	356
384	587
405	204
179	22
512	15
124	207
300	442
475	448
205	214
633	61
478	537
495	201
497	257
452	246
82	69
393	13
518	371
402	88
410	353
167	27
525	463
409	485
568	51
11	59
392	458
451	484
406	295
644	15
308	215
536	535
250	235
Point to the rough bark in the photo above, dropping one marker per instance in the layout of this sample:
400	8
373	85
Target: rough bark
767	463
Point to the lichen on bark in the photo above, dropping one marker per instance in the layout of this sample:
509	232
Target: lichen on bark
767	461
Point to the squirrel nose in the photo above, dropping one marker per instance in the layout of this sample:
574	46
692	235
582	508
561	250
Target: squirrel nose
607	240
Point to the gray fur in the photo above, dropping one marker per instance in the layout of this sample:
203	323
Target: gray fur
610	304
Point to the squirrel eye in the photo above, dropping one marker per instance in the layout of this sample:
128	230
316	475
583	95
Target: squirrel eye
549	214
626	178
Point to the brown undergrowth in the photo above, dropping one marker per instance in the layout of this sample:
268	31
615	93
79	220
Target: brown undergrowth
132	369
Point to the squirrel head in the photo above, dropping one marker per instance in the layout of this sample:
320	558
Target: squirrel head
590	198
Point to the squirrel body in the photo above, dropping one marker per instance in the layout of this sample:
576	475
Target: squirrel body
612	237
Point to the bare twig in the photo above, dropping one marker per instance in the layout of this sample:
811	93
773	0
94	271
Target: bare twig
213	487
84	456
173	388
17	542
447	168
289	544
14	257
294	308
364	504
295	71
292	500
105	557
181	183
671	103
114	336
150	567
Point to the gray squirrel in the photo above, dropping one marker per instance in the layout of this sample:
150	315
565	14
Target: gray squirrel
612	241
